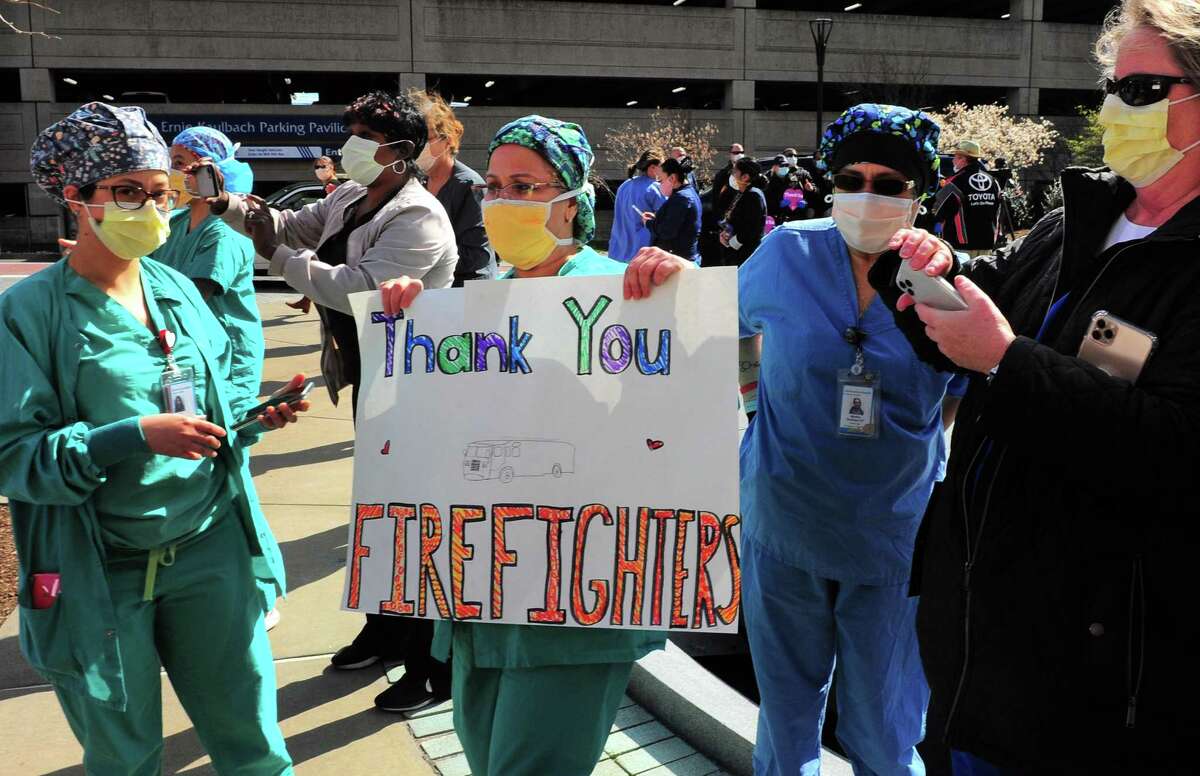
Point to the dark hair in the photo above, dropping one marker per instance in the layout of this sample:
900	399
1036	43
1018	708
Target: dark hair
747	166
396	117
680	168
86	192
644	162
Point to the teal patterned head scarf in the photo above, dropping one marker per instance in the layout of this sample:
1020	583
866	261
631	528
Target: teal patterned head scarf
566	148
902	138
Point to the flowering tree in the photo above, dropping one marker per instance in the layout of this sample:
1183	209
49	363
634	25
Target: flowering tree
8	23
1022	141
1087	145
665	130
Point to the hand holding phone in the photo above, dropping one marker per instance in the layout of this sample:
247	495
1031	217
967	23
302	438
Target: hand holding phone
274	400
933	291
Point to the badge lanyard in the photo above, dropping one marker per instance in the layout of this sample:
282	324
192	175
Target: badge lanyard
178	383
858	393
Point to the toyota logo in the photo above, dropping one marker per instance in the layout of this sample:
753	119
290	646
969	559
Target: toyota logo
980	181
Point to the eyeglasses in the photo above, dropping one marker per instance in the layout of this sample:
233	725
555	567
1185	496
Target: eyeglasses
1142	88
512	190
134	197
887	187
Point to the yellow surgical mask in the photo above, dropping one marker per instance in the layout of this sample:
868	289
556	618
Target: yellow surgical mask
178	181
517	229
1135	139
130	234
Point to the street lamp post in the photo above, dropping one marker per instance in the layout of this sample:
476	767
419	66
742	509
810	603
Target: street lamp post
820	29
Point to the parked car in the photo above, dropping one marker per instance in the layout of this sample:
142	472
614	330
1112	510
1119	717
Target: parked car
291	197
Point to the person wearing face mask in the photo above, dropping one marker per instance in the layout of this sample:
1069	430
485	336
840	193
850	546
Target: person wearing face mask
530	699
969	204
138	532
743	220
679	153
676	226
831	497
451	182
380	224
641	193
1061	541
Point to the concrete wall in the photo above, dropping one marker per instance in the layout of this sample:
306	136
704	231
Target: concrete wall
736	45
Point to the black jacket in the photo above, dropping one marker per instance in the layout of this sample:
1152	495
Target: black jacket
676	225
968	207
746	218
466	215
1056	563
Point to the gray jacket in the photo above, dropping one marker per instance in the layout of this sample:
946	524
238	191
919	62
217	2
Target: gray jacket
410	235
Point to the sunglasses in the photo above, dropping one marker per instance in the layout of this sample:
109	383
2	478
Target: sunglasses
1143	88
886	187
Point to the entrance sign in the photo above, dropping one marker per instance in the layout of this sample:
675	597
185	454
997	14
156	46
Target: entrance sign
542	452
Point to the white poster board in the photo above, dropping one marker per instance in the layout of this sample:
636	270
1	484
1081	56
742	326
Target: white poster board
540	451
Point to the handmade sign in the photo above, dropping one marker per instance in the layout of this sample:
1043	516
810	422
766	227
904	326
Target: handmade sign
540	451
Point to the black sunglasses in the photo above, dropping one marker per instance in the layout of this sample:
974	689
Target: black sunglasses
886	187
1143	88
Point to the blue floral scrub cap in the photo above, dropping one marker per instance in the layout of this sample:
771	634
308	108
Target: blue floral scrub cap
916	150
216	145
566	148
95	142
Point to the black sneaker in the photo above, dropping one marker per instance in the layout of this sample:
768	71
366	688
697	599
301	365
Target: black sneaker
406	696
356	655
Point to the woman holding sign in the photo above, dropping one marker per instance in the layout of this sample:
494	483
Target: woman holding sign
134	517
839	461
531	699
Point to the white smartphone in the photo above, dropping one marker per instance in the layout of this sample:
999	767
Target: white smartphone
1116	347
936	292
206	182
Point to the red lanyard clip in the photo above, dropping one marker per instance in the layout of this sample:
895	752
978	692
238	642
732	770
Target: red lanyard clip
166	341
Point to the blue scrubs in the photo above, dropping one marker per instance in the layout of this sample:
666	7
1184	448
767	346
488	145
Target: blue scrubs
830	521
629	234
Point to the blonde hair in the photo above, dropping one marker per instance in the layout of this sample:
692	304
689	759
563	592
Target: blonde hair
439	116
1178	21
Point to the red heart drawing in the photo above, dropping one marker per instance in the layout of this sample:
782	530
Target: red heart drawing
387	448
654	444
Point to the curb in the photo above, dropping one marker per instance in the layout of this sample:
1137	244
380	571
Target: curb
709	714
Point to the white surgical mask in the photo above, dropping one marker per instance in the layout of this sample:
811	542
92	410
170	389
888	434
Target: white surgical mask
358	159
734	157
868	221
791	160
427	158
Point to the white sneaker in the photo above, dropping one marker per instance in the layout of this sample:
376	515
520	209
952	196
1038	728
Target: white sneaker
272	619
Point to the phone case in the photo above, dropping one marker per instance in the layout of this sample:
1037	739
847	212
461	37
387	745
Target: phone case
933	291
206	181
1116	347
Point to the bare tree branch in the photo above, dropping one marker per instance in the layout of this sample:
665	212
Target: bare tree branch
33	4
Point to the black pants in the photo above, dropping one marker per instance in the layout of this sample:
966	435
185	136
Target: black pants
408	639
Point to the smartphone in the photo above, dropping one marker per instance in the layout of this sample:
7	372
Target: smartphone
936	292
45	590
206	182
1116	347
274	400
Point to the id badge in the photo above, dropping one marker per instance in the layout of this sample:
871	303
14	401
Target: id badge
859	398
179	391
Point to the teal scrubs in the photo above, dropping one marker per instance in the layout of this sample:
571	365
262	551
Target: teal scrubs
213	251
535	699
156	555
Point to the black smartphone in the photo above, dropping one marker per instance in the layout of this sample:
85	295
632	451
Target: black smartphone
274	400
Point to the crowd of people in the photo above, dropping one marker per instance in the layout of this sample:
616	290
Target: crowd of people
1022	599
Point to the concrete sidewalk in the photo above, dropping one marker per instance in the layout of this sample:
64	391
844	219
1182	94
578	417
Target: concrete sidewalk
303	476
